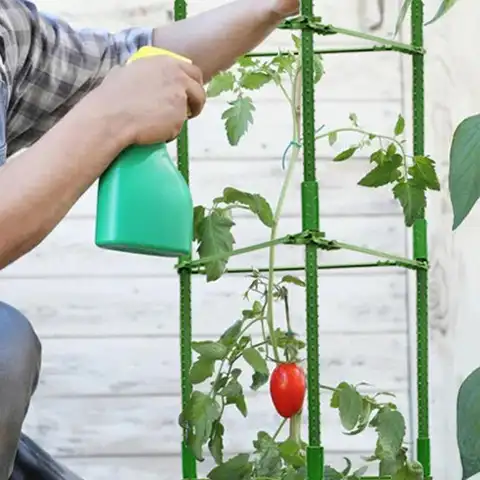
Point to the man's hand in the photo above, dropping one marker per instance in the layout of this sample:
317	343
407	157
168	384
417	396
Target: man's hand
286	8
153	96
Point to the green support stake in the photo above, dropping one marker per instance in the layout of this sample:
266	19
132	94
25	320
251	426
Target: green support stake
310	220
189	465
420	250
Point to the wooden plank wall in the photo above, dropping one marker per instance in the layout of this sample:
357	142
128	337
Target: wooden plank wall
108	400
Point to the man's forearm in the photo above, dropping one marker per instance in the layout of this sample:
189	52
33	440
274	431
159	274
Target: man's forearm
40	185
213	40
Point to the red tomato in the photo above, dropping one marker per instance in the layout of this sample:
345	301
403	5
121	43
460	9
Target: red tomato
287	389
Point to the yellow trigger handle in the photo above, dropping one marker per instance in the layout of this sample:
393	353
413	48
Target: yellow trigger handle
149	51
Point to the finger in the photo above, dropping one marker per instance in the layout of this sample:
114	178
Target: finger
196	98
192	71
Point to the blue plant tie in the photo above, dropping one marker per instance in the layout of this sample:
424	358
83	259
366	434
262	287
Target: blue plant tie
285	153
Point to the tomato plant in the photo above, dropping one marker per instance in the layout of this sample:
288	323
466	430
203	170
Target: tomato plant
256	342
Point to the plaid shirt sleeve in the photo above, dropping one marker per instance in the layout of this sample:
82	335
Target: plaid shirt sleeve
49	66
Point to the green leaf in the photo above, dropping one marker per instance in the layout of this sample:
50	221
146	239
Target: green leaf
202	369
332	138
246	62
255	202
254	80
236	468
284	63
223	82
464	175
354	119
253	357
360	472
233	394
391	150
238	118
345	155
259	380
378	157
215	239
403	13
412	198
350	405
210	350
445	6
292	453
468	424
293	280
329	473
198	216
383	174
318	68
364	418
215	444
399	126
231	334
268	462
201	412
424	174
297	41
390	427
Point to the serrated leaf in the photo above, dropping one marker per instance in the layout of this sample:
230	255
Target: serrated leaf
349	405
200	414
318	69
254	80
423	172
268	463
284	63
215	444
345	155
354	119
220	83
391	150
236	468
233	393
292	453
202	369
329	473
210	350
215	238
399	126
293	280
413	200
468	426
360	472
259	380
253	357
246	61
297	41
332	138
390	427
255	202
401	17
230	336
382	174
238	118
198	216
464	175
445	6
378	157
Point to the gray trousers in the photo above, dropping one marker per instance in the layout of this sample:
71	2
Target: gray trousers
20	360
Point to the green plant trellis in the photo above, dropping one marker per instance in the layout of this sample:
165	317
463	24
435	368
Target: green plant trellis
312	239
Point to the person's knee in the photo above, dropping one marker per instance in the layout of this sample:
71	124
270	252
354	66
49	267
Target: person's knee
20	351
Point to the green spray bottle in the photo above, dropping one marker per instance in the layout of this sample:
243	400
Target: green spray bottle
144	204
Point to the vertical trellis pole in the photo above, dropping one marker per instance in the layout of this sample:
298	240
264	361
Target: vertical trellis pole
420	250
310	221
189	466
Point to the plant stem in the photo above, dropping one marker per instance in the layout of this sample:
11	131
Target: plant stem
279	429
296	116
363	132
295	428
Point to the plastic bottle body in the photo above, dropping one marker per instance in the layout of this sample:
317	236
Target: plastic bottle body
144	204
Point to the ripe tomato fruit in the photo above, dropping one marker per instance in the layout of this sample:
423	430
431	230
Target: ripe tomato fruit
287	389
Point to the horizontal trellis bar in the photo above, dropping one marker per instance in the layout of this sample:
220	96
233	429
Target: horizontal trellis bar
298	268
327	51
314	24
305	238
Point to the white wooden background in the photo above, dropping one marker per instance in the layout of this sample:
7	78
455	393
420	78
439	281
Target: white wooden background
108	400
